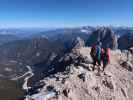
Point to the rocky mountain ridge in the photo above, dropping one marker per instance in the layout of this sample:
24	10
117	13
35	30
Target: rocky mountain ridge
126	41
106	36
57	53
77	81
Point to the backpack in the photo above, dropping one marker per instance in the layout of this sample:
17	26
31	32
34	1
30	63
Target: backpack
93	51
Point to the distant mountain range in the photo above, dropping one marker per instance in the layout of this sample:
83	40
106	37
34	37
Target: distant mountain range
36	49
5	38
35	31
64	35
122	30
22	32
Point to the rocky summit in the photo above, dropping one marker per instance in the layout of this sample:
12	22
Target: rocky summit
105	35
77	81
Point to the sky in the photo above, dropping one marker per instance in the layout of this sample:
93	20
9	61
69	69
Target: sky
65	13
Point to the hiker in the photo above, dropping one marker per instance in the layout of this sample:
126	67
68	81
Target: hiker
105	57
96	55
93	51
93	54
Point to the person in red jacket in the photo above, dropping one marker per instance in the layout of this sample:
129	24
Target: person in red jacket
96	55
105	57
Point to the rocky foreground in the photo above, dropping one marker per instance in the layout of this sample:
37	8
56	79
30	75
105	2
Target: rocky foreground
78	82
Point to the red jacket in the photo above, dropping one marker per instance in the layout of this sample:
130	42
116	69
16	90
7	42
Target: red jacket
108	53
105	55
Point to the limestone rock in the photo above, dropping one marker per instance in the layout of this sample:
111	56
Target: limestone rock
79	83
106	36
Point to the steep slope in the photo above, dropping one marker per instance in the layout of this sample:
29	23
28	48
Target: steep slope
126	41
22	59
122	30
79	82
37	52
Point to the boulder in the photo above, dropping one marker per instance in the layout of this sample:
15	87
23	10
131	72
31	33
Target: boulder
78	43
66	92
131	50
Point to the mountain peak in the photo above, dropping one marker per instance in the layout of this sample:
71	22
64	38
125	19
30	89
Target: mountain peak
105	35
78	43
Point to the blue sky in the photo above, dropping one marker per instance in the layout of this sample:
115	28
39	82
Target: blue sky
65	13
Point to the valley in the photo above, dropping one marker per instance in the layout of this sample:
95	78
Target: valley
10	90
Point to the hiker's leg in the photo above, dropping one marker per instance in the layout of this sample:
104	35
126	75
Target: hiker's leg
104	64
99	62
94	63
98	66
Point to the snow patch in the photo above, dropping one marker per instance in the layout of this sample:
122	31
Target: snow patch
83	30
42	96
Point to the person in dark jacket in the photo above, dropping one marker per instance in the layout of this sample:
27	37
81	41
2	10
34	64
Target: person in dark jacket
93	55
96	55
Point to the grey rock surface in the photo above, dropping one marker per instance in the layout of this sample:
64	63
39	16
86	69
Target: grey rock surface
115	83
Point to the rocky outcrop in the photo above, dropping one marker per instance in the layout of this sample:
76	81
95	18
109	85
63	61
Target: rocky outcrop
126	41
78	43
81	83
131	50
71	57
105	35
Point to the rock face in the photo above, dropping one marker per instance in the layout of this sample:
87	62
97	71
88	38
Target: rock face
30	51
105	35
78	82
66	36
78	43
131	50
126	41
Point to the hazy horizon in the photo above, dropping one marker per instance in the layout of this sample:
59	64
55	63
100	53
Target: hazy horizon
59	27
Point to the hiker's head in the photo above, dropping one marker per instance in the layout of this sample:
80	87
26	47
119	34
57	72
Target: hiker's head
99	43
